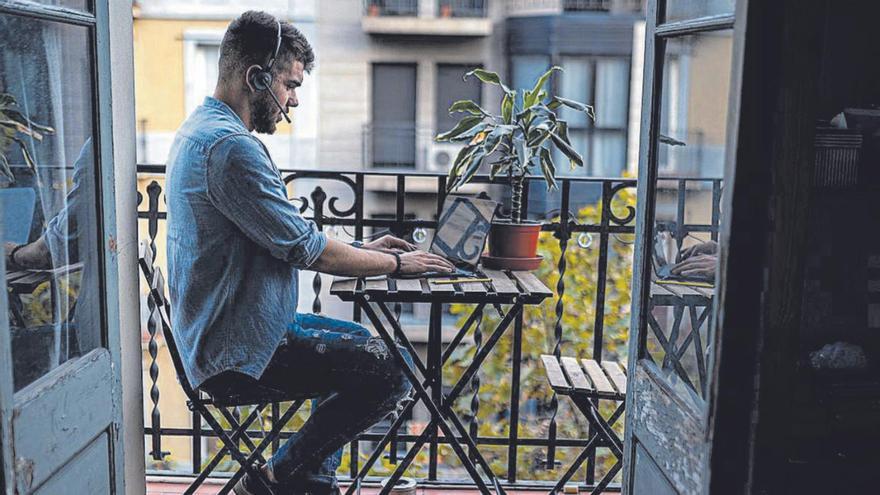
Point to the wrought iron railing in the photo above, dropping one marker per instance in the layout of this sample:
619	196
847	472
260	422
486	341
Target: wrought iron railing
525	7
602	5
410	8
407	8
588	230
462	8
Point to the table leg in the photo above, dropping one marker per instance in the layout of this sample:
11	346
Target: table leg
445	405
429	403
516	359
435	377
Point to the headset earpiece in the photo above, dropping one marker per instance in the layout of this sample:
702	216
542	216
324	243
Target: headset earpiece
261	80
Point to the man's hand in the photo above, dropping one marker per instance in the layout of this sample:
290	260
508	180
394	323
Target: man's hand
8	247
30	256
708	247
702	265
339	258
415	262
390	243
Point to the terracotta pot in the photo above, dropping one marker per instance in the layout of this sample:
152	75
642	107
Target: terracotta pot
514	240
446	11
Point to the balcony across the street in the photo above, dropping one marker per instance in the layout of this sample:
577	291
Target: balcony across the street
441	18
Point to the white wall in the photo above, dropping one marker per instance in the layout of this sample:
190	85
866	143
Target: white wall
125	166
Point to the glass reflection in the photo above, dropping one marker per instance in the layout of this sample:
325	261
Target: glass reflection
47	164
680	10
684	252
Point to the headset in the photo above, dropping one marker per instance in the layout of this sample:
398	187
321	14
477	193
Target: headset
261	79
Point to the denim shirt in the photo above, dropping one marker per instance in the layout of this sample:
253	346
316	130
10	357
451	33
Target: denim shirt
235	244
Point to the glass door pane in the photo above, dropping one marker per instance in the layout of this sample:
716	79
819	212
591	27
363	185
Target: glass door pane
84	5
679	10
47	190
690	158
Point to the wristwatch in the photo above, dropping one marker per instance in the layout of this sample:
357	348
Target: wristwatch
396	271
357	244
15	251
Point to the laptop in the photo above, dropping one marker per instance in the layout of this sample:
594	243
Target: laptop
17	207
461	235
665	256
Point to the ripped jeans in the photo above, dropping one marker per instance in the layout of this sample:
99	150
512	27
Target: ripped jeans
358	381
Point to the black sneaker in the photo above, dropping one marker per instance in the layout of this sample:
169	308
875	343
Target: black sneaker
249	486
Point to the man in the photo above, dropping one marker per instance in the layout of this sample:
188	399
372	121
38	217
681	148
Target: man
235	245
61	244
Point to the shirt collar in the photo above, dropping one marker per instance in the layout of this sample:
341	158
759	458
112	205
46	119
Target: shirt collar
214	103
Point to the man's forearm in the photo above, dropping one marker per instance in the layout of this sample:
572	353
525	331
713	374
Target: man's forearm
339	258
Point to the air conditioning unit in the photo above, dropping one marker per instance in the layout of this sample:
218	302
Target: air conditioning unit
440	156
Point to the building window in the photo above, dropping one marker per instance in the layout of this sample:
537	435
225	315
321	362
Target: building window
604	83
392	133
451	88
201	59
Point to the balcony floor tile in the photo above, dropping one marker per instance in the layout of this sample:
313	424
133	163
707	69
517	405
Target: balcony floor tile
212	486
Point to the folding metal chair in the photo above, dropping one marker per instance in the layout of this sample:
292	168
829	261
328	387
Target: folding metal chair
203	403
607	381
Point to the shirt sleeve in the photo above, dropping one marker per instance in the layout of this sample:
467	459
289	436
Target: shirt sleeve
244	185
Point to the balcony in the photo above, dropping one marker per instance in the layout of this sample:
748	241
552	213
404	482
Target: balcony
528	435
432	18
556	7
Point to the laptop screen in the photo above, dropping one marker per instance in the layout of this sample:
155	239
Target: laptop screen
463	228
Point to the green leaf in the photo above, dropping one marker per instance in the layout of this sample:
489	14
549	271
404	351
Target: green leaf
23	129
489	77
671	141
461	162
548	169
574	157
468	106
494	138
470	134
531	97
463	125
499	167
537	137
581	107
455	169
507	108
5	169
27	156
21	119
473	166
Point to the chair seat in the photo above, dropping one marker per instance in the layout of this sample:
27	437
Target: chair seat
245	391
587	377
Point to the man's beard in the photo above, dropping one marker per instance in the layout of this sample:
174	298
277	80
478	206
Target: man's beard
263	113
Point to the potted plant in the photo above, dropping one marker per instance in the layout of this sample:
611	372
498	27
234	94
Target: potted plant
13	123
516	144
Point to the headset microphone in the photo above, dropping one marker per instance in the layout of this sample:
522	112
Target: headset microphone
281	108
262	78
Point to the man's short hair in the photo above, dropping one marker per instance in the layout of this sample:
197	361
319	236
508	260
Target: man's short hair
250	40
